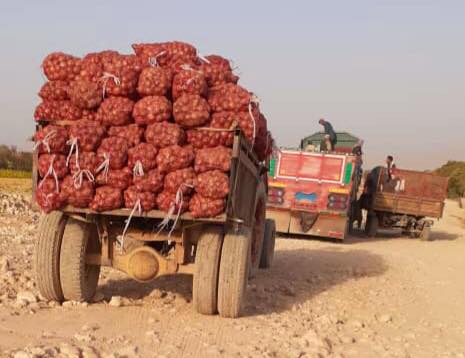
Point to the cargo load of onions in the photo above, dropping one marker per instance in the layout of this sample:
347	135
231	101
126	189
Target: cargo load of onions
149	130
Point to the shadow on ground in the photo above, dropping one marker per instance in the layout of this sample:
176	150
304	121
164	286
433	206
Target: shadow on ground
394	234
296	277
299	275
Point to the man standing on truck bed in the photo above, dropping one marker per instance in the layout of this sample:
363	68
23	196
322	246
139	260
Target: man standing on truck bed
390	167
330	135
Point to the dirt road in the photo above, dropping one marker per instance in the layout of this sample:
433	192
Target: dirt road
385	297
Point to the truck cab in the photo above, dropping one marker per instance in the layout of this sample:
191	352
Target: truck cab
314	193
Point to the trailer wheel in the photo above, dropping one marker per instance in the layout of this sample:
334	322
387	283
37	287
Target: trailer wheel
266	259
372	225
234	267
207	261
78	279
47	255
258	230
425	234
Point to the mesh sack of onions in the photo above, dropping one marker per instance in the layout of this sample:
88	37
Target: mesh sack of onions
191	110
152	109
201	207
113	153
120	77
57	162
262	140
57	111
60	66
115	178
189	81
209	138
145	198
249	122
85	94
154	81
166	201
164	134
115	111
89	115
132	133
93	72
151	181
85	161
51	139
88	134
217	70
175	157
166	53
77	191
48	195
100	57
213	184
181	179
54	91
229	97
107	198
213	158
145	154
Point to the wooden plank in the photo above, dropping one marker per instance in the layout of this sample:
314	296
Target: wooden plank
154	214
399	204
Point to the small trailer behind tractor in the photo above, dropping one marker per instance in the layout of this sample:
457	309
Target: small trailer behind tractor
407	200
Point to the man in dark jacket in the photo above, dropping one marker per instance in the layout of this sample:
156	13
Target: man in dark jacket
330	135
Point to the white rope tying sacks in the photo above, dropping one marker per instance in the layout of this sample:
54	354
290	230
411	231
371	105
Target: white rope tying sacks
50	135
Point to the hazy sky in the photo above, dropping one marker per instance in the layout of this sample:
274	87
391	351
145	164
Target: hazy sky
392	72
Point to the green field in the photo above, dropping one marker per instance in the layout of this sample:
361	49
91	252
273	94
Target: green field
10	173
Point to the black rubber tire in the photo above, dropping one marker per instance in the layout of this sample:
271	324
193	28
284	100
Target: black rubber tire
47	255
425	234
372	226
266	259
78	280
258	230
234	268
207	262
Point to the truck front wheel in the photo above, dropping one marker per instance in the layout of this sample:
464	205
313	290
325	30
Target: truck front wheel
266	259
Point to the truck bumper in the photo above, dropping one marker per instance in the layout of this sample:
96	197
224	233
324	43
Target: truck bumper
326	225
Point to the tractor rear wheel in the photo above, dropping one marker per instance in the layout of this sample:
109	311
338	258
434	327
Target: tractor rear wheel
234	268
207	262
78	279
47	255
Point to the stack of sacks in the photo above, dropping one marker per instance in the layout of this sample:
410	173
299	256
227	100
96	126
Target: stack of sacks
152	130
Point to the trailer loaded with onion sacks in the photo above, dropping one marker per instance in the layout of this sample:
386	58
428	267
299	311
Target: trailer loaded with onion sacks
153	163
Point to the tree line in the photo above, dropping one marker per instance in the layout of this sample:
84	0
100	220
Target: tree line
455	170
14	159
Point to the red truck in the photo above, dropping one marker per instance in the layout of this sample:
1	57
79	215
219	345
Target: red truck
313	193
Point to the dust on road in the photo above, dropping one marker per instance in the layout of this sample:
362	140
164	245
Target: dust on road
385	297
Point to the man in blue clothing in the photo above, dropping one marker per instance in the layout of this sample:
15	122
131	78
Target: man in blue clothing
330	135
